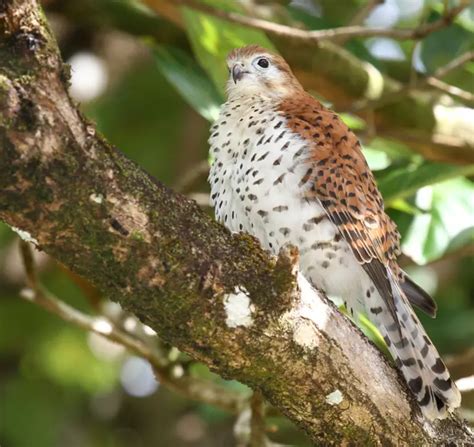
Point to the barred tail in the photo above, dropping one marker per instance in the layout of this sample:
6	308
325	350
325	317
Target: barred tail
417	358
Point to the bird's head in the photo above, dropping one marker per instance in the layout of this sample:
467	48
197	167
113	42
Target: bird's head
255	70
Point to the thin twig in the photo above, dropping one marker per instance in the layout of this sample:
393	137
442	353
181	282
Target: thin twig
364	12
423	83
195	173
466	384
460	360
257	420
347	32
359	17
201	198
454	64
190	387
451	90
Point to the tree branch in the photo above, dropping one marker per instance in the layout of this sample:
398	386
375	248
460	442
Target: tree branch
423	82
214	295
359	17
190	387
257	421
344	79
315	37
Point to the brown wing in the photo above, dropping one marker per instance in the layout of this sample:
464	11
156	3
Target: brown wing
345	186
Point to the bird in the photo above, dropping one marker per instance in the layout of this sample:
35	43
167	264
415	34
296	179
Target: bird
288	170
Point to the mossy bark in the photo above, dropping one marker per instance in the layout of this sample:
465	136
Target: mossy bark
162	258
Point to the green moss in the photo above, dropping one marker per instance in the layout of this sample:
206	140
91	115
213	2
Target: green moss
137	235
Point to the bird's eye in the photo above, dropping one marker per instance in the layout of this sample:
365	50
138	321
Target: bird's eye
263	62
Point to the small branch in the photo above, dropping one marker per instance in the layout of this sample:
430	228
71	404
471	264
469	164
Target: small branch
192	175
364	12
423	83
344	79
451	256
192	388
201	198
451	90
454	64
359	17
348	32
465	384
257	420
461	360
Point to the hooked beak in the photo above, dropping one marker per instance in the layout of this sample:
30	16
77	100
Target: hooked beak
237	72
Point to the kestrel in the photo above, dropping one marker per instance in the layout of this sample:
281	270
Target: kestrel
287	170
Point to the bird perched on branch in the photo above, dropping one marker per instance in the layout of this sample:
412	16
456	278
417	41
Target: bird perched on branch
288	171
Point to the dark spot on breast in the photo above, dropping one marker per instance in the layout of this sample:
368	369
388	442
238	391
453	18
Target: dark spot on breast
263	156
279	179
282	134
280	208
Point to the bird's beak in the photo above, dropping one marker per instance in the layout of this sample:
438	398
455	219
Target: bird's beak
237	73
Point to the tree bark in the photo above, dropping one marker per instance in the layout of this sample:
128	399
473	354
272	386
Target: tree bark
217	296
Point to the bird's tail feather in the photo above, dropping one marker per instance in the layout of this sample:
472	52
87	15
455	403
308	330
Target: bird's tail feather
416	356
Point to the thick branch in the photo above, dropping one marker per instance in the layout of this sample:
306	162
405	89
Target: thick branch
218	297
190	387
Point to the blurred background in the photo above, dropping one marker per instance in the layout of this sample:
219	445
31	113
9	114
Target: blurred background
151	77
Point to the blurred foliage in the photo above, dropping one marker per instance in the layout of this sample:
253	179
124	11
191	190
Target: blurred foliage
57	387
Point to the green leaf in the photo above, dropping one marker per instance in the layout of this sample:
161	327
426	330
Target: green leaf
6	234
353	121
403	182
441	47
451	213
464	238
212	39
394	149
190	80
405	207
371	331
377	160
